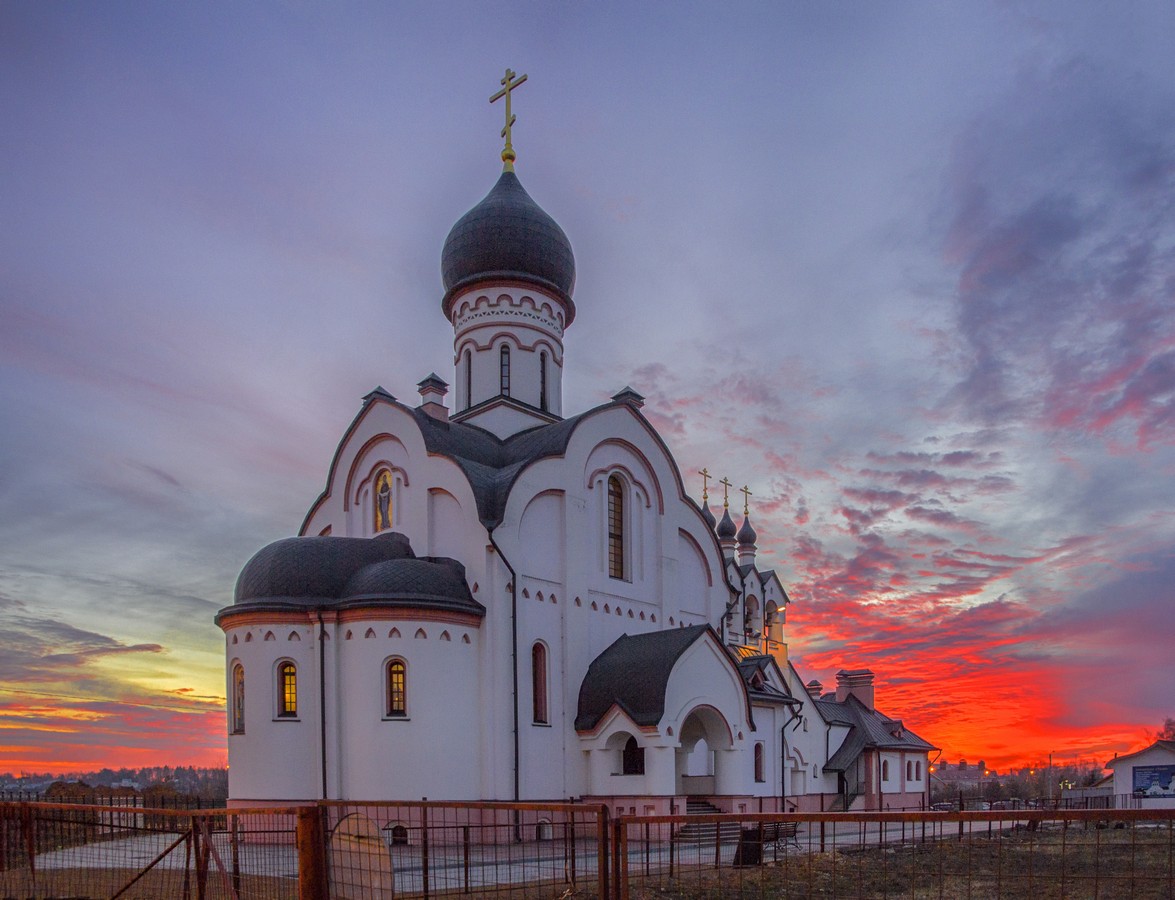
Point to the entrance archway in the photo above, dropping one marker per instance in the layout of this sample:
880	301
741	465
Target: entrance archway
703	759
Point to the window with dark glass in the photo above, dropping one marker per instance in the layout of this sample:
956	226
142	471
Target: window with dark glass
468	379
397	706
543	402
504	370
287	685
615	527
238	723
633	758
538	666
759	768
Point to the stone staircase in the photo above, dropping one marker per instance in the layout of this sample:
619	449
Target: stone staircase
705	832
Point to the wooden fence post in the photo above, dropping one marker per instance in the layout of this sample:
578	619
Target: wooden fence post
311	841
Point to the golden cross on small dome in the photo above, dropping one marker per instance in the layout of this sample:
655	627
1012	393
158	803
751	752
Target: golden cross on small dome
508	84
727	484
746	500
706	476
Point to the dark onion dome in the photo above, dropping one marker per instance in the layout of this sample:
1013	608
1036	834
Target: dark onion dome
708	515
339	572
746	534
508	237
726	526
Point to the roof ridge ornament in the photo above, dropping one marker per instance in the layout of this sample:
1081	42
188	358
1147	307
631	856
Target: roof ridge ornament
508	84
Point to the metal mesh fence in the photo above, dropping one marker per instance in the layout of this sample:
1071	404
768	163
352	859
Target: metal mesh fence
349	851
61	850
428	849
1023	854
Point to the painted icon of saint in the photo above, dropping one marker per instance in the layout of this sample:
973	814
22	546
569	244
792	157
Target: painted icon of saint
383	502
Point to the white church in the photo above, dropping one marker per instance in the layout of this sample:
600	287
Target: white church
492	600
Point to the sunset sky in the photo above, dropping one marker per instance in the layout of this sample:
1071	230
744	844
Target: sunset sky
906	269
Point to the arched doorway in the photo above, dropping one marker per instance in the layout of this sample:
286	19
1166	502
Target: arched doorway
704	759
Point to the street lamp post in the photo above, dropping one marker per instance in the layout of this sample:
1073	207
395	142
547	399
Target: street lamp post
1051	752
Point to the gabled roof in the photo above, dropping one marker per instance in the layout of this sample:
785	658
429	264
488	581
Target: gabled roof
493	464
759	688
633	674
869	729
1168	746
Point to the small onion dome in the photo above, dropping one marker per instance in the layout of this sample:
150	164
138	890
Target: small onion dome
508	237
708	515
746	534
726	527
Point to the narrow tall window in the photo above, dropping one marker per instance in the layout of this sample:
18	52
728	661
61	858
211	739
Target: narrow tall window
287	686
759	768
909	771
544	404
615	527
885	770
468	379
633	758
538	667
397	690
504	370
238	724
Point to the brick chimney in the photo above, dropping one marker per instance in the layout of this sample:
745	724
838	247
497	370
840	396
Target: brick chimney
855	682
432	397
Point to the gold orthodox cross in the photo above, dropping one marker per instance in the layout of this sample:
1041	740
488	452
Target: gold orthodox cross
508	84
746	500
706	476
726	486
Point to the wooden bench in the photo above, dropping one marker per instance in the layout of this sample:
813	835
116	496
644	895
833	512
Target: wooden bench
781	833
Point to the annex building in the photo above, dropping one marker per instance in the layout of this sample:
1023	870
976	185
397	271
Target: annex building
495	599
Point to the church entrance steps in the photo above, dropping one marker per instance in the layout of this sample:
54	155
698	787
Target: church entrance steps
706	832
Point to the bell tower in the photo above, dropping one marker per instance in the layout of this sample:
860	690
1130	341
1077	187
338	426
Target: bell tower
508	273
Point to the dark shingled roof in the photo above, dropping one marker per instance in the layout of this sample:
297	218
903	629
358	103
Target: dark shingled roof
868	729
764	692
633	674
303	573
490	463
508	236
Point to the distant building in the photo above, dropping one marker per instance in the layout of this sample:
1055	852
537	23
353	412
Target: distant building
1146	778
496	601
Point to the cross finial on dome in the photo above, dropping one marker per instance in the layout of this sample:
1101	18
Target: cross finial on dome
746	500
508	84
727	484
706	476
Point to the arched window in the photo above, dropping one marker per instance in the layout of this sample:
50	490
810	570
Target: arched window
909	771
759	773
504	370
632	758
238	708
287	690
544	403
382	506
397	692
399	835
468	379
616	567
885	770
538	675
751	618
918	771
